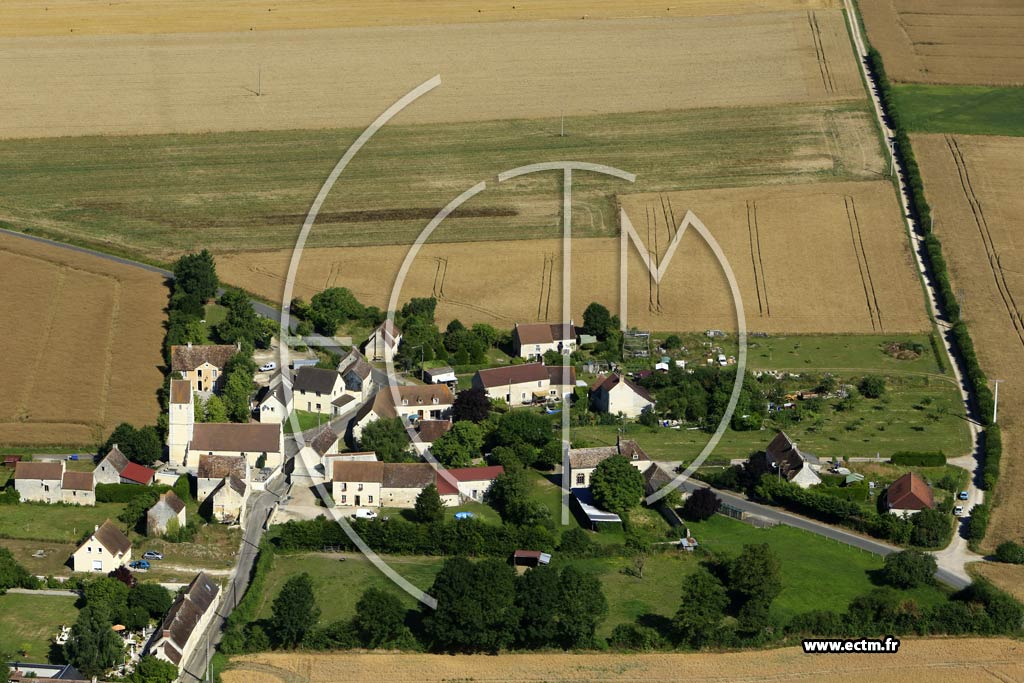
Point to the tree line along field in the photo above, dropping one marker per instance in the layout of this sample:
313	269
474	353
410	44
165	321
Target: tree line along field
21	18
972	186
81	348
159	196
948	41
265	80
862	276
920	660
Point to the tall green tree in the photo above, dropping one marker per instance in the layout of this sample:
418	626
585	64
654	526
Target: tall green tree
909	568
756	573
476	610
141	445
152	597
702	608
387	438
196	275
93	647
241	324
583	607
523	426
294	611
598	321
215	410
429	507
236	396
459	445
12	574
419	307
153	670
471	404
332	307
538	598
617	485
380	621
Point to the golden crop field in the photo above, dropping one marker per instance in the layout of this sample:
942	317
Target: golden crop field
948	41
81	347
951	660
973	186
331	78
861	277
21	18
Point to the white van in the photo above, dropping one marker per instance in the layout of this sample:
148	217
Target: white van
267	367
363	513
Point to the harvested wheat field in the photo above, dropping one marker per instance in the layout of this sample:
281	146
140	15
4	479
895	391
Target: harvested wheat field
81	345
1009	577
973	186
948	41
857	276
60	86
22	18
963	660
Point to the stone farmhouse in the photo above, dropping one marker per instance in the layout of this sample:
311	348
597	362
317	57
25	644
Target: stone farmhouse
524	384
429	431
115	468
357	375
908	495
202	364
382	344
168	507
106	549
415	403
619	395
272	404
224	478
783	458
50	482
533	340
229	500
388	484
181	630
583	461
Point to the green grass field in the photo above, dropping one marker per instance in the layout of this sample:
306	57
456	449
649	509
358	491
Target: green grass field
839	352
817	574
28	624
967	109
307	421
40	521
160	195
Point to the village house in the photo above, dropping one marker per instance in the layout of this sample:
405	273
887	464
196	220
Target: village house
330	459
908	495
181	421
583	461
471	483
782	458
106	549
357	377
202	364
533	340
325	442
619	395
77	488
387	484
229	500
383	342
272	404
427	432
169	509
115	468
525	384
415	403
184	624
39	482
262	445
214	469
315	389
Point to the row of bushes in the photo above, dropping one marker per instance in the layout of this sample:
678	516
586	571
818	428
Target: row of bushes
126	493
233	641
918	459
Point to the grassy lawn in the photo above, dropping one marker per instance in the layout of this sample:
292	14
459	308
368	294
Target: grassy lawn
53	561
215	547
214	314
837	352
307	421
968	109
28	624
480	511
916	413
67	523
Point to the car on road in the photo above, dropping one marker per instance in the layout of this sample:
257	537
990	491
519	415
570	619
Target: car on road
958	511
267	367
363	513
152	555
139	564
465	514
964	495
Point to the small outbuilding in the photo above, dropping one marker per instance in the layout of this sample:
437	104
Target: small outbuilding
530	558
167	508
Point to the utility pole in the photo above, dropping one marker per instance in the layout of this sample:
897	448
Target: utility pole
995	406
259	80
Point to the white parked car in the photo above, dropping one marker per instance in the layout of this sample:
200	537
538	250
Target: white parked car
267	367
363	513
958	511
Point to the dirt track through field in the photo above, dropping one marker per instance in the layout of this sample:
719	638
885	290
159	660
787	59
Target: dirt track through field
951	660
60	86
81	347
973	186
948	41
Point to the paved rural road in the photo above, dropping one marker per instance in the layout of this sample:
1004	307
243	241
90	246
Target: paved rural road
954	558
820	528
44	591
260	506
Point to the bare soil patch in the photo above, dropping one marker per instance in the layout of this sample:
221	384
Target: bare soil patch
919	661
80	351
973	186
857	277
948	41
328	78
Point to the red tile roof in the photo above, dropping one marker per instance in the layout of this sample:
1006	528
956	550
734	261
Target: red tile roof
910	492
512	374
490	473
137	473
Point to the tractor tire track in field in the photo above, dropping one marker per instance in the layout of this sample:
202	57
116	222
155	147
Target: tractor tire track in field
754	235
108	361
43	345
994	260
440	273
819	51
547	276
857	239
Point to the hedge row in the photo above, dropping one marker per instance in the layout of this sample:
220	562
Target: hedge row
978	523
248	607
918	459
125	493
